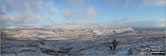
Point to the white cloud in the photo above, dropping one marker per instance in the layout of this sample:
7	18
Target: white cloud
91	13
67	13
23	5
50	5
147	3
154	2
75	2
143	3
71	13
53	10
16	19
139	23
20	12
1	11
128	2
159	3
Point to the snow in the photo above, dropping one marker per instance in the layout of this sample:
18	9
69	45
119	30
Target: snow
75	42
98	32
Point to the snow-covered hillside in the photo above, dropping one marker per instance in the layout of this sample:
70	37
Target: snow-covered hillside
80	41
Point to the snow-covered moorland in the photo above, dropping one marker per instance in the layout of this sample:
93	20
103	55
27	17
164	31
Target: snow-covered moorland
79	40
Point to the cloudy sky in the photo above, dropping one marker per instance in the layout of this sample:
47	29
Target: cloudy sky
125	13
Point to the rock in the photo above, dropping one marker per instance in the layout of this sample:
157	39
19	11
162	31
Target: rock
49	51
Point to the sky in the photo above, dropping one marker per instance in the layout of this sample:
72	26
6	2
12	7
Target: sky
123	13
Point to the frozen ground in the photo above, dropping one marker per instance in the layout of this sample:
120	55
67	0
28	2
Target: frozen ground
80	41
